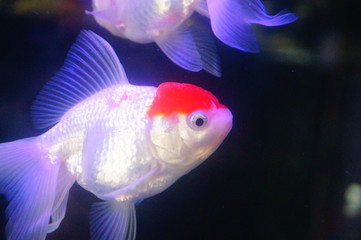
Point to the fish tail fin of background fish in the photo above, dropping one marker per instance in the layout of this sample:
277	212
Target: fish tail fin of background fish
121	142
175	29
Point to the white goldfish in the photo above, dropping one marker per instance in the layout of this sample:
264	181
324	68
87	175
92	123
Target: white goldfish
122	142
172	25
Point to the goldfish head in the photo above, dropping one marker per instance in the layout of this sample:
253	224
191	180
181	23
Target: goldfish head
188	124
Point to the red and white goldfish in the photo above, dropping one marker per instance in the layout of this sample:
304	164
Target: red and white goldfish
172	25
122	142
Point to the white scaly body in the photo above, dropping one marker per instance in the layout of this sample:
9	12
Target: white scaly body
117	140
105	140
145	20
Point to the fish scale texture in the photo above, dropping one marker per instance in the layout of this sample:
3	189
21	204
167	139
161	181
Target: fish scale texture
108	136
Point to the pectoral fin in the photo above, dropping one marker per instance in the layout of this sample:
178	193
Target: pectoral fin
64	182
202	8
191	47
109	14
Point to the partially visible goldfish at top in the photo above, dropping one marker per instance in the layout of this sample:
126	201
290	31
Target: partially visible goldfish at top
172	26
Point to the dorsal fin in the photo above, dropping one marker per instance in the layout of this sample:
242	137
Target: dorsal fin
91	66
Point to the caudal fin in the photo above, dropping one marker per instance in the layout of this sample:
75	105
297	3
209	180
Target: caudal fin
28	178
231	21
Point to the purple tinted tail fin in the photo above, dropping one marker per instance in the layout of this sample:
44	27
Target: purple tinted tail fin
231	21
28	178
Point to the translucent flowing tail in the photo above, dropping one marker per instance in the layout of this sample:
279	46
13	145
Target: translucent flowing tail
231	21
28	178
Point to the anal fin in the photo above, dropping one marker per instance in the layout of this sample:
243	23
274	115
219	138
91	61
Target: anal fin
112	220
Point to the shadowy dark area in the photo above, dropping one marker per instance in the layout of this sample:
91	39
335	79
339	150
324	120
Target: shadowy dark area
295	147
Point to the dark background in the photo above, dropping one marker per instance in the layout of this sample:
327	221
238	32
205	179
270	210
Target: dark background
295	145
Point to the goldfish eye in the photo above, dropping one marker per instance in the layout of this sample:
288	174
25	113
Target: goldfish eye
197	120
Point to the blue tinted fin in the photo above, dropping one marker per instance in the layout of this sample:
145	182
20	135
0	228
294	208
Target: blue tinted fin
113	220
190	49
178	45
231	21
28	175
91	66
204	40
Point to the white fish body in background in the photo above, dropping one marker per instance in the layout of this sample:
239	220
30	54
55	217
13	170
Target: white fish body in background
121	142
184	39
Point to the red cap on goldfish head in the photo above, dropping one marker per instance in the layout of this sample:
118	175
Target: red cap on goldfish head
181	98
